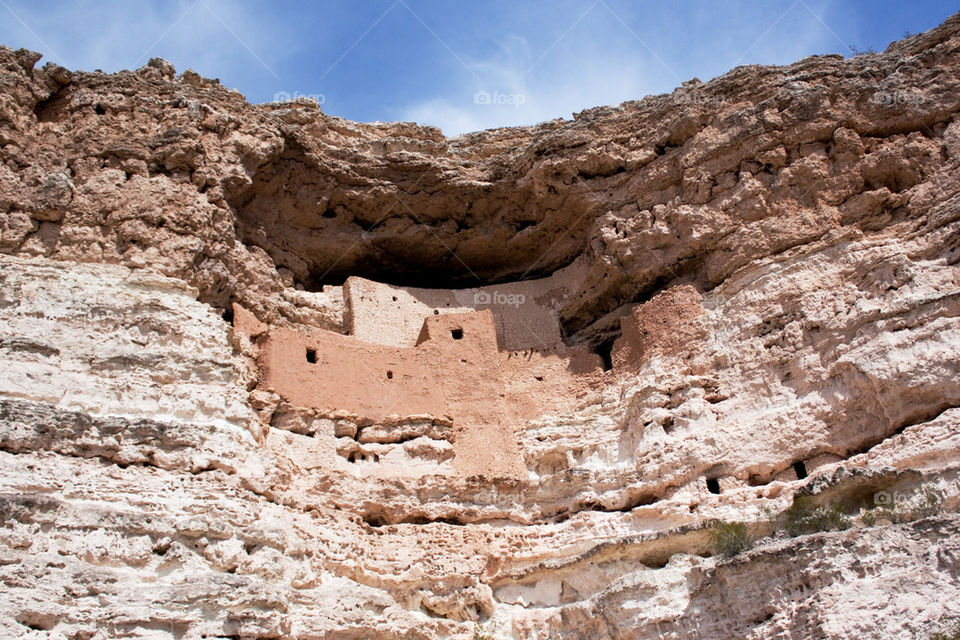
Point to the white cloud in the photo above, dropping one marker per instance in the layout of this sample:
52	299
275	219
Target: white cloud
603	61
214	37
496	104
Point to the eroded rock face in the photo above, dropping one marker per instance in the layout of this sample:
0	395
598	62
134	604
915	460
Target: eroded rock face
741	293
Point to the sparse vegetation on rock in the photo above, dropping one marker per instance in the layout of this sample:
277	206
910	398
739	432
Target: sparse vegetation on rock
731	538
805	516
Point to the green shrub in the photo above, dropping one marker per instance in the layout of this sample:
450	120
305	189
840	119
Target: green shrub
804	517
730	538
870	517
932	506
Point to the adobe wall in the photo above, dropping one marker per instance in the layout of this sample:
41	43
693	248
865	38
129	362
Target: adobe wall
440	353
444	375
544	382
524	312
664	324
377	380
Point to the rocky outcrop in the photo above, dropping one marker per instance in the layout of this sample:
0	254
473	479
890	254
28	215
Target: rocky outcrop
765	267
182	175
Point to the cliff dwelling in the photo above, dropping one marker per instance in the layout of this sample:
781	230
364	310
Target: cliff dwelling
482	360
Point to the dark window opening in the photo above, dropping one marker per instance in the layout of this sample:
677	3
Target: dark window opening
227	315
713	485
389	375
457	334
99	110
311	355
605	351
539	378
800	469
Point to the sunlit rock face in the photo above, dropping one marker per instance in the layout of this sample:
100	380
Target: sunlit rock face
267	373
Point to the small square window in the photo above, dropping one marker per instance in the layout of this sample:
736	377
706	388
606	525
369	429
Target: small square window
311	355
457	334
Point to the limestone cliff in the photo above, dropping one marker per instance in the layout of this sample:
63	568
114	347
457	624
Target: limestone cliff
688	367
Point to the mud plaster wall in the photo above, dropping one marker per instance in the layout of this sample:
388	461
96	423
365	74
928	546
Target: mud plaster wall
665	324
524	312
539	383
443	376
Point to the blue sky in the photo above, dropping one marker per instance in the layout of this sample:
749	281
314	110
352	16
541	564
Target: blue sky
459	65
